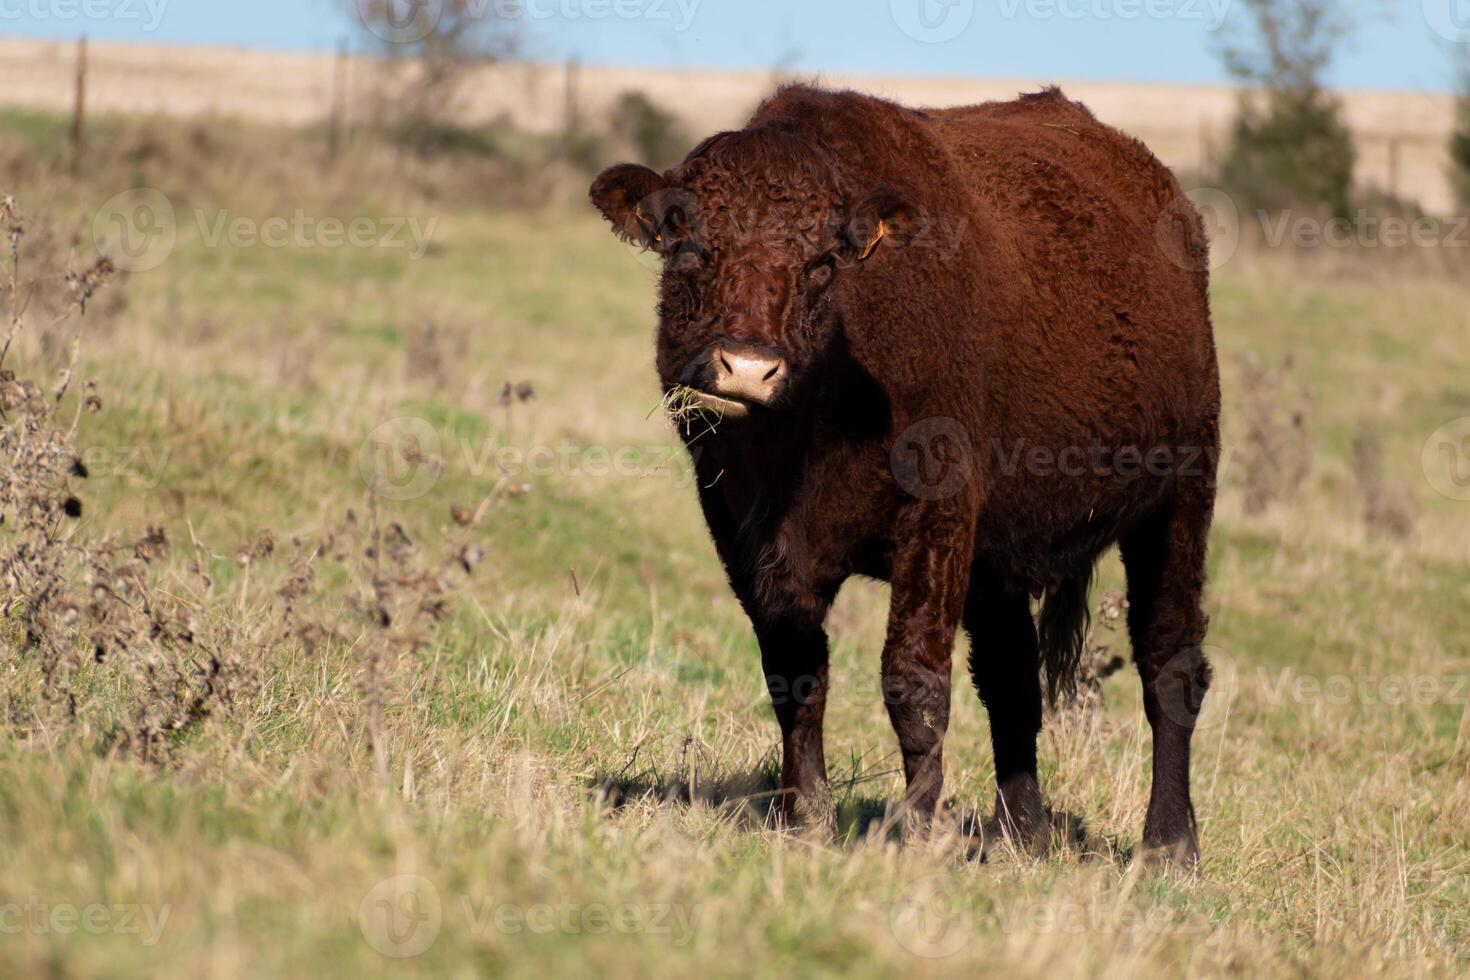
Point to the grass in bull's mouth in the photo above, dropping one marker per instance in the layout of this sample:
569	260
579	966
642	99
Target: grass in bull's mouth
690	411
525	732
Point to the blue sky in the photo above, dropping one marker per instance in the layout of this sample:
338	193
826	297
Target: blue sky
1408	47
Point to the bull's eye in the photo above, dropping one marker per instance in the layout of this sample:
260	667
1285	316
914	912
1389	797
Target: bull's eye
686	258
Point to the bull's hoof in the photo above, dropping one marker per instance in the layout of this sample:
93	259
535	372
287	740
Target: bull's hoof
1180	855
812	816
1020	817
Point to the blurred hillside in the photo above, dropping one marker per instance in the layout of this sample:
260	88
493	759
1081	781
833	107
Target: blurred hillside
1402	138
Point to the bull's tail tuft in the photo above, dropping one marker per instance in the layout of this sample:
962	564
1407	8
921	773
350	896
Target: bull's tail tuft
1061	628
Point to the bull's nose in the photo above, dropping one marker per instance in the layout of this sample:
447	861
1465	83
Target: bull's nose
752	374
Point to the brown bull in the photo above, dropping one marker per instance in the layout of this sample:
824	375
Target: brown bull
963	351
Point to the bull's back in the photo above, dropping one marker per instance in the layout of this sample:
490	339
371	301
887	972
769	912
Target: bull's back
1014	151
1113	260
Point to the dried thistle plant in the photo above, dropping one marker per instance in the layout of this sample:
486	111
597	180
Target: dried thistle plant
75	601
47	289
1388	507
91	614
1277	451
403	593
434	351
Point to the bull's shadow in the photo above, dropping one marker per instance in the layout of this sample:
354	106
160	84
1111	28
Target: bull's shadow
751	799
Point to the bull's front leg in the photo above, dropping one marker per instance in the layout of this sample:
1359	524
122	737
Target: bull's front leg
794	658
931	575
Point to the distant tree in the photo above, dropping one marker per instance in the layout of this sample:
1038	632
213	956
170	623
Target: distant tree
656	134
1289	145
1460	140
1290	44
444	38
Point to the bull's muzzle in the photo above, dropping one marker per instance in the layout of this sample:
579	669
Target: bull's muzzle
732	378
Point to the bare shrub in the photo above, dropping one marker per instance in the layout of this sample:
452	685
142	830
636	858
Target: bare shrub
76	602
430	54
214	166
1276	452
44	291
654	135
1388	507
434	350
136	665
296	365
401	594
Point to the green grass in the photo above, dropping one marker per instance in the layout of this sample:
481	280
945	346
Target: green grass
44	133
598	644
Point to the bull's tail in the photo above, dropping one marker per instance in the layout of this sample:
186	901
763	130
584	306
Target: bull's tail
1061	628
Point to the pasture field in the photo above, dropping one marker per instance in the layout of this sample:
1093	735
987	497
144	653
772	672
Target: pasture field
567	766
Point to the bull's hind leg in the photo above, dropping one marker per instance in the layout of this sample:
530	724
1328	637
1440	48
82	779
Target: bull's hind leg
1005	665
1165	561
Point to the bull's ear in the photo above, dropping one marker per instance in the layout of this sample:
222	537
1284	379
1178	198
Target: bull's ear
883	216
621	193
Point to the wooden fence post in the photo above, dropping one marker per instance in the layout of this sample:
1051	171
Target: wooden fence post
1393	167
571	117
79	109
339	102
1206	149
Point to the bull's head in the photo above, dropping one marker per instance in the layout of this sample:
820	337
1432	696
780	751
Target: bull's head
761	246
